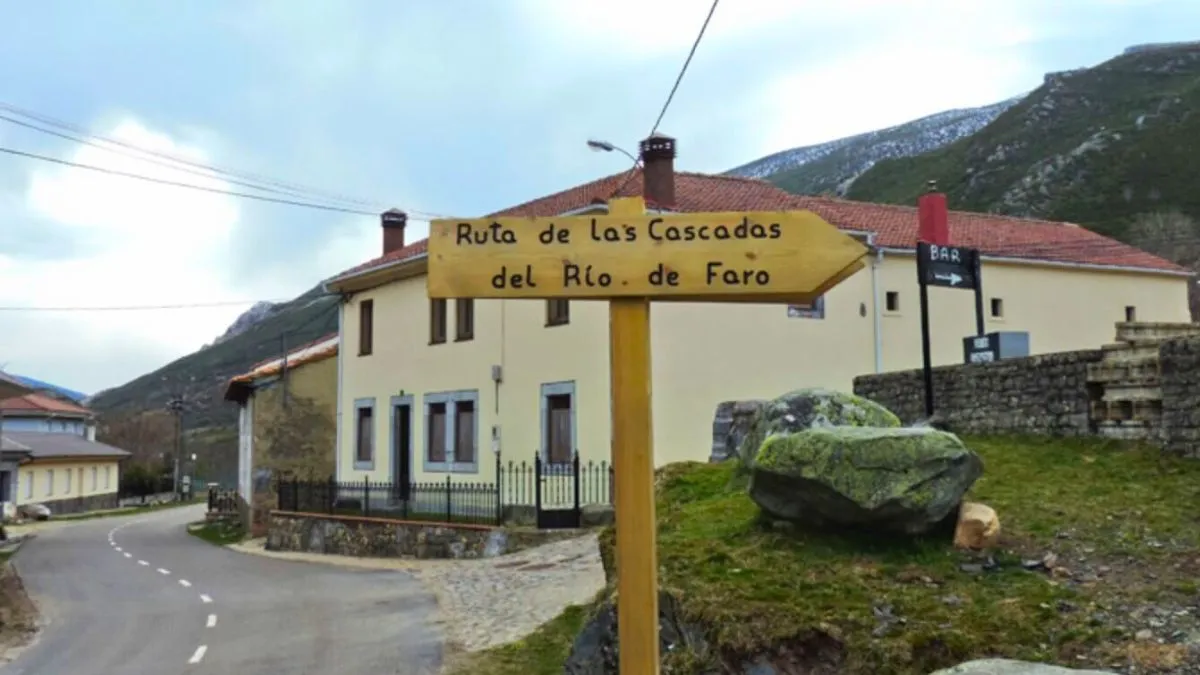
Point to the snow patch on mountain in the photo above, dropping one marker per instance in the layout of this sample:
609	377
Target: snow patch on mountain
853	155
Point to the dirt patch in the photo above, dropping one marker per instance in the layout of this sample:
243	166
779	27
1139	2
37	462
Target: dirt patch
18	616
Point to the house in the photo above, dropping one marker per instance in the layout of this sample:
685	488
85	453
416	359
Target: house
427	387
41	412
286	422
50	456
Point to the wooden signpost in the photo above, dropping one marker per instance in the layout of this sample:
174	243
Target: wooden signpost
630	257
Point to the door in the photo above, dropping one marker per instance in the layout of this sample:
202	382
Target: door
402	447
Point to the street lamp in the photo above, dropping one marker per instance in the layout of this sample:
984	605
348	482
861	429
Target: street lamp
605	146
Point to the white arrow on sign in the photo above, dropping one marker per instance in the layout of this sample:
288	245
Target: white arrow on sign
952	278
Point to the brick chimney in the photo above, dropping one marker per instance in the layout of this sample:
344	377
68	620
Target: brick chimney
393	221
658	170
933	225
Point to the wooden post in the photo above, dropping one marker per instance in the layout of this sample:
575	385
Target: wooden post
633	465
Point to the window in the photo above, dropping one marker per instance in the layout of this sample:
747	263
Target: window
464	432
49	482
107	477
1130	313
464	319
68	488
997	308
95	473
813	310
452	432
437	321
364	433
558	312
892	301
435	437
29	485
366	327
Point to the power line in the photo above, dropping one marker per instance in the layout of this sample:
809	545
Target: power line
674	88
134	308
293	187
244	195
206	172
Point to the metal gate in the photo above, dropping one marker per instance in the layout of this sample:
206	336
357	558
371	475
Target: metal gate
556	495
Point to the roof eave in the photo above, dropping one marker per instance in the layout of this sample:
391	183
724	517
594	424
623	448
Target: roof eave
1042	262
373	277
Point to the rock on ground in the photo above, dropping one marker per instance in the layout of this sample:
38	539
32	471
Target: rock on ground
885	480
811	408
1009	667
978	527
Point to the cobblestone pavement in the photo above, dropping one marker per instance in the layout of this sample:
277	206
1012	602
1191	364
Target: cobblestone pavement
489	602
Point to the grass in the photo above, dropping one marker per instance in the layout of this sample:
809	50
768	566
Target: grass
218	532
757	588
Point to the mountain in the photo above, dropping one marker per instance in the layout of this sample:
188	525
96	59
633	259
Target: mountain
34	383
257	312
209	422
1103	147
833	166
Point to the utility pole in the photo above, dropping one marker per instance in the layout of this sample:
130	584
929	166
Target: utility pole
175	405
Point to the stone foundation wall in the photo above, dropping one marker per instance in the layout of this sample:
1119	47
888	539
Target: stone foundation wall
1046	394
381	538
1179	374
60	507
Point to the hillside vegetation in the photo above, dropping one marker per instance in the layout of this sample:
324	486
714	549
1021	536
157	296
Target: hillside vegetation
1096	146
210	423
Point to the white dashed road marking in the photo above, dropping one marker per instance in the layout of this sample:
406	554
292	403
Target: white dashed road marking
199	654
211	622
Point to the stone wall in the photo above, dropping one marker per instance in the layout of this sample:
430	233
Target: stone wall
1045	394
1179	373
60	507
381	538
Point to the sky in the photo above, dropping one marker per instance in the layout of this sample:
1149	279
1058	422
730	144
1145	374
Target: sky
439	108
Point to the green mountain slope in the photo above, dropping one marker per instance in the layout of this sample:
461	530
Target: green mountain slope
1096	146
210	423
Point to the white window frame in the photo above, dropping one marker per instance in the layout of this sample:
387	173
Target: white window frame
49	482
29	481
95	477
451	399
107	477
70	478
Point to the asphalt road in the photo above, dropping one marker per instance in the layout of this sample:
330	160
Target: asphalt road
137	595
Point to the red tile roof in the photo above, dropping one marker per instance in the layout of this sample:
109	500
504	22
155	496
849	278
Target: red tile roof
894	226
40	404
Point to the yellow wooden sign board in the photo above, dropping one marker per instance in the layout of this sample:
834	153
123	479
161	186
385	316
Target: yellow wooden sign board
769	256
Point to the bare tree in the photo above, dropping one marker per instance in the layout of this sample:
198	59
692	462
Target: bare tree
146	435
1175	236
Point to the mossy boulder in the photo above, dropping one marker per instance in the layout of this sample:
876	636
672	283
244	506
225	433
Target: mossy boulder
896	480
811	408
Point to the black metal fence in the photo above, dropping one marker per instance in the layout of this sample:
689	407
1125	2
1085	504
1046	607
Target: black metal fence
556	492
222	501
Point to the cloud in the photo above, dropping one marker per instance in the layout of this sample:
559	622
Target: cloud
139	244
